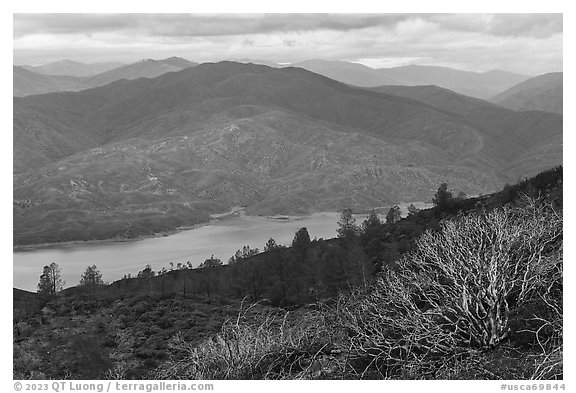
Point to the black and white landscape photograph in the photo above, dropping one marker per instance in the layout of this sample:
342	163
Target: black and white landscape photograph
335	196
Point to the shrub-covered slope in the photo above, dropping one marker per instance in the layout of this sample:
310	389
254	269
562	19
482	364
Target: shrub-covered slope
471	289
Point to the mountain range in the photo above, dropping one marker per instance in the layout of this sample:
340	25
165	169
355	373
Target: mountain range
73	68
140	156
475	84
480	85
543	92
26	82
29	82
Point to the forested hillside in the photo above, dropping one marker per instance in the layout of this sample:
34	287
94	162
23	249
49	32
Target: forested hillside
543	92
469	289
139	157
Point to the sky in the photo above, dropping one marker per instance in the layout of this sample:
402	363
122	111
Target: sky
524	43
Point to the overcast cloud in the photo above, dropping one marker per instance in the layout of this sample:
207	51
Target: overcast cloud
526	43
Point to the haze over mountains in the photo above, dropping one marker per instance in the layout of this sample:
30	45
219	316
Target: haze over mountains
139	156
474	84
26	82
494	120
480	85
73	68
543	92
29	82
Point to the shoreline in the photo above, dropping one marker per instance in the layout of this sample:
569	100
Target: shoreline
112	240
236	211
213	219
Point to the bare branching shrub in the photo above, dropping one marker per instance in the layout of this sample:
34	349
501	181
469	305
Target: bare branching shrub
479	281
256	345
454	293
549	336
118	371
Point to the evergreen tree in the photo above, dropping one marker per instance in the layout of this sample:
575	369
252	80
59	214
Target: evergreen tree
301	241
211	277
51	281
372	237
412	209
443	198
248	252
91	278
270	245
394	215
146	273
210	262
371	223
347	228
333	270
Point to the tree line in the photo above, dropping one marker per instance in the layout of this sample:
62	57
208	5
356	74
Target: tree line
51	281
309	269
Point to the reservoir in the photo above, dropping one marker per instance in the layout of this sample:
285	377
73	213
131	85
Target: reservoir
221	238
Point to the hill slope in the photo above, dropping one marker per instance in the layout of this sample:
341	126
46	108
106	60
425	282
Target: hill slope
29	82
540	149
543	92
350	73
475	84
339	294
73	68
26	82
147	68
154	154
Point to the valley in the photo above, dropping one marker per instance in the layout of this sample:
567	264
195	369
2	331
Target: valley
220	238
324	196
139	157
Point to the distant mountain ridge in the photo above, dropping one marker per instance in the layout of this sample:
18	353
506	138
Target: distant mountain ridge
543	92
493	119
28	82
147	68
474	84
479	85
73	68
354	74
139	156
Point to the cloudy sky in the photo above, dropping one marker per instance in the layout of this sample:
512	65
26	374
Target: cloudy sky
525	43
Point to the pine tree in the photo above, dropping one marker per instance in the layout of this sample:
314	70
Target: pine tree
146	273
301	241
371	223
211	262
412	209
91	278
394	215
51	281
443	198
347	228
270	245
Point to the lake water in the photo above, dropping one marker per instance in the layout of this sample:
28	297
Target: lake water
221	237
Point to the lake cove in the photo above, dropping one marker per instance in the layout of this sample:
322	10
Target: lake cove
221	238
